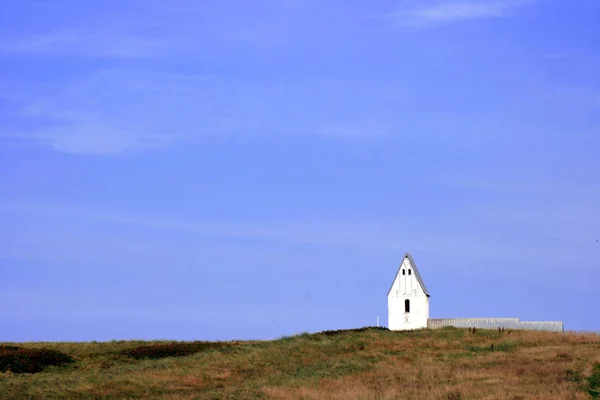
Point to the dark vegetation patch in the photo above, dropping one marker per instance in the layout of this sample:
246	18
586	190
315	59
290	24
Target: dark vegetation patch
565	356
574	376
175	349
453	395
21	360
341	331
447	332
593	382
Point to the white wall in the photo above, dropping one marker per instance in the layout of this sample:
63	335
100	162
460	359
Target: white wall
407	287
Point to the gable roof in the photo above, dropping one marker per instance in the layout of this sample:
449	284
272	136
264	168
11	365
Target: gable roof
417	274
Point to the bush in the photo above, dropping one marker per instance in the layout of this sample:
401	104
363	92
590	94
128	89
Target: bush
22	360
176	349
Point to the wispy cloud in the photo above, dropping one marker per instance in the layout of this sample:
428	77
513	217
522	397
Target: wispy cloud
92	43
118	111
134	30
362	235
113	112
150	29
99	139
433	14
369	235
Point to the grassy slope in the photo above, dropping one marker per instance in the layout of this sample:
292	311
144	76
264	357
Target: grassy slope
443	364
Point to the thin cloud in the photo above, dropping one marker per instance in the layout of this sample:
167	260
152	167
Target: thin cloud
455	11
114	111
99	139
364	235
92	43
151	29
328	234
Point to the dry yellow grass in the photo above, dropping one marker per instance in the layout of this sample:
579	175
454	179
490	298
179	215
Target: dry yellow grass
375	364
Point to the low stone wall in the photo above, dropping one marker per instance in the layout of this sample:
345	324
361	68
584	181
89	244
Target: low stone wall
495	323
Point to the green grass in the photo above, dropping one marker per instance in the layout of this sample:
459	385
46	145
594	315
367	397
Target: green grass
358	364
502	346
593	382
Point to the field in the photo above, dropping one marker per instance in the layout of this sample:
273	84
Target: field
448	363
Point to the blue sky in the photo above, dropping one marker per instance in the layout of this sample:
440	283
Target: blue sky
232	169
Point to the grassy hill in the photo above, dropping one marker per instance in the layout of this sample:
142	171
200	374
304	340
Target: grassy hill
359	364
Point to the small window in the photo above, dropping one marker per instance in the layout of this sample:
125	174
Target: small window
407	306
409	271
403	272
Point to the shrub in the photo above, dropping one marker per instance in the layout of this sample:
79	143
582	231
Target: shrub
175	349
22	360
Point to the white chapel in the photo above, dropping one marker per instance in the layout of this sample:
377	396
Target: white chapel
408	307
408	298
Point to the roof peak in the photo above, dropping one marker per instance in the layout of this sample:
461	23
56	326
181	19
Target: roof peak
408	256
